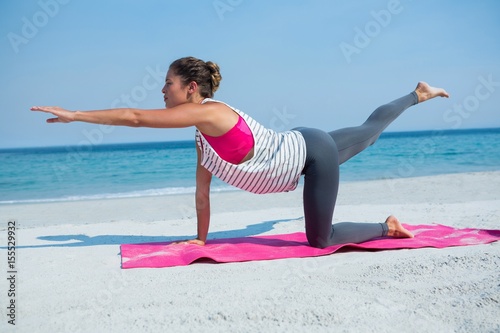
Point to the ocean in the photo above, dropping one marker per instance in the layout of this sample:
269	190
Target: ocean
147	169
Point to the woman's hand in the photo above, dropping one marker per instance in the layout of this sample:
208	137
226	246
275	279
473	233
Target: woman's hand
62	115
191	241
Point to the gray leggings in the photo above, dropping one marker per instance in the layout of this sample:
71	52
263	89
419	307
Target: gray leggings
325	153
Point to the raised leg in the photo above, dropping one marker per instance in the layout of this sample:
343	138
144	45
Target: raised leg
351	141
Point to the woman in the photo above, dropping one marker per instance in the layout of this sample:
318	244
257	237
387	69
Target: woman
240	151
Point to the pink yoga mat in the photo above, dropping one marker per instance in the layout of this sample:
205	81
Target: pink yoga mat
290	246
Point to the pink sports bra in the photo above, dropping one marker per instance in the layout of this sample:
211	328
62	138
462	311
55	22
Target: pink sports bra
233	145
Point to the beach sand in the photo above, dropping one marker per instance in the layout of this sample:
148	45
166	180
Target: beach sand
69	277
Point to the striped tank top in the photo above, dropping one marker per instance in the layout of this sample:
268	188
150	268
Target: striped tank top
276	165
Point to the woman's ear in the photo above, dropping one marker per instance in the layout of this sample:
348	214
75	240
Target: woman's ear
192	87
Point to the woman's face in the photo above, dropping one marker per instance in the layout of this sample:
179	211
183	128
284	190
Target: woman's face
174	93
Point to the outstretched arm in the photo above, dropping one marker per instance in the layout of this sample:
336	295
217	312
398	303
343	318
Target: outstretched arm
184	115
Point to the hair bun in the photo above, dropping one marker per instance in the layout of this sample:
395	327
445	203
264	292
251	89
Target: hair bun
215	75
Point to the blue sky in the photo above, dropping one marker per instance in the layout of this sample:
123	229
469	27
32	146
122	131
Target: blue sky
287	63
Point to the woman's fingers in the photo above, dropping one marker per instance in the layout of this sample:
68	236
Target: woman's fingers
196	241
41	108
190	241
62	115
50	109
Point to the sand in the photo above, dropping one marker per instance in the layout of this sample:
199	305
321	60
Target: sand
69	277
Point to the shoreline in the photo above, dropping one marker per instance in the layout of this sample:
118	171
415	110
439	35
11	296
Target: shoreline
217	186
395	191
70	279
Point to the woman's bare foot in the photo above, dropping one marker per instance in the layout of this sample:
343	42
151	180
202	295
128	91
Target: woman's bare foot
426	92
396	229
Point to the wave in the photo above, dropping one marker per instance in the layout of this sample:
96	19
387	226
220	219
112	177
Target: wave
132	194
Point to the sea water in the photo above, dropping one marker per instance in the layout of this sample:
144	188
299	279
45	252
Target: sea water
147	169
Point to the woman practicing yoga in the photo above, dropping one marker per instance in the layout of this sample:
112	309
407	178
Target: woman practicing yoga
241	152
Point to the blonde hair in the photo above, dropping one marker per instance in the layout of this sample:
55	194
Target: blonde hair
205	74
